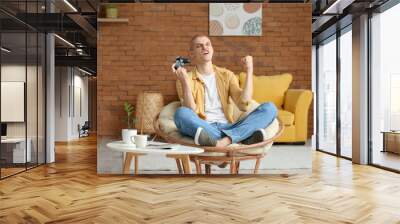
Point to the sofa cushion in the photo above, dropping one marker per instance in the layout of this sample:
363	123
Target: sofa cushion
286	117
269	88
166	118
168	111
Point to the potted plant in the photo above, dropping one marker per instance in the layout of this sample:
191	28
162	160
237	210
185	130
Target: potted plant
129	133
111	11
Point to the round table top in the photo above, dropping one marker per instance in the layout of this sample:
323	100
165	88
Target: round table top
154	148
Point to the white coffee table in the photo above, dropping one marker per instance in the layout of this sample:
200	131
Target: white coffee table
180	153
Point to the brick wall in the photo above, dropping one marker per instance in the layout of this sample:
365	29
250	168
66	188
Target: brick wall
137	55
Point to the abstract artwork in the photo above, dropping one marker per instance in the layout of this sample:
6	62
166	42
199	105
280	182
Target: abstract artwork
235	19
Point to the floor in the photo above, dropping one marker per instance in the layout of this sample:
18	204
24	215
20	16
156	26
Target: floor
5	172
10	171
387	159
70	191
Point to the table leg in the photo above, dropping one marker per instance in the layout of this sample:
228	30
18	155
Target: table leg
136	164
178	164
237	167
233	166
208	168
257	166
127	162
186	164
198	165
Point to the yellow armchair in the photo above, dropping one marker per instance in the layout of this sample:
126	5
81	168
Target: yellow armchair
293	104
297	102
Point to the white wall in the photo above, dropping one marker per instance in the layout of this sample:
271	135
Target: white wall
17	73
71	93
13	100
33	126
61	104
79	117
14	73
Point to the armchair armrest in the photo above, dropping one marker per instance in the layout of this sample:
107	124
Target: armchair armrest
298	102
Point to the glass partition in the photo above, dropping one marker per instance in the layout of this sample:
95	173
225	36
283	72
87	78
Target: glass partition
385	89
13	95
22	92
41	96
326	105
346	93
31	100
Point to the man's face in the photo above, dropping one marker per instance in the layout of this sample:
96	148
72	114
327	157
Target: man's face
202	50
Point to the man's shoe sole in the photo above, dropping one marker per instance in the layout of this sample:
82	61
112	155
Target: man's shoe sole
256	137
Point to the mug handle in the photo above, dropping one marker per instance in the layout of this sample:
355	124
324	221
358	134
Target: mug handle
133	139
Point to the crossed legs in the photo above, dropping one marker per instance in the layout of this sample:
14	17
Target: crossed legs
187	122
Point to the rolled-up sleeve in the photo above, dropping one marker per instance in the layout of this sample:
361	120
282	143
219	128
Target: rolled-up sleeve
179	90
235	92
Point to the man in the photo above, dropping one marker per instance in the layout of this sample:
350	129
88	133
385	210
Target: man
204	94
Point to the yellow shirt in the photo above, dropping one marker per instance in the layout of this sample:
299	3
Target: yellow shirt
227	87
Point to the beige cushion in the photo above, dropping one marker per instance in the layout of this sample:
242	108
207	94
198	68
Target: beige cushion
176	134
167	125
166	119
168	111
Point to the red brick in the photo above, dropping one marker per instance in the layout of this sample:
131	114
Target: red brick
135	57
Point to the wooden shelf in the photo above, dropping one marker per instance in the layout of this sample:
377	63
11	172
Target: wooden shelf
111	20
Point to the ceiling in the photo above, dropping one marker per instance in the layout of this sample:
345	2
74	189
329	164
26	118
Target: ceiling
19	54
72	20
39	6
331	15
76	22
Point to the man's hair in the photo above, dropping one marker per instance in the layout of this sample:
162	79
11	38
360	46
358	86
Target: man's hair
194	38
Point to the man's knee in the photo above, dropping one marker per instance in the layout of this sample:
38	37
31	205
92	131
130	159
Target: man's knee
181	113
269	108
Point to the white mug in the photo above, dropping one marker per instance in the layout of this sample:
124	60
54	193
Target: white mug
141	141
127	136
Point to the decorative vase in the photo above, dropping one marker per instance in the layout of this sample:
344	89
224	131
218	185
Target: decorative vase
148	105
128	136
111	12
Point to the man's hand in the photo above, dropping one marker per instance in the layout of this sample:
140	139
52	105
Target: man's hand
248	63
180	73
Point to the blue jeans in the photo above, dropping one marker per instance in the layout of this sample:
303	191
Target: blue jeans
187	122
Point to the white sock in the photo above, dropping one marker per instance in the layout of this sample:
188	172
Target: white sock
197	135
263	133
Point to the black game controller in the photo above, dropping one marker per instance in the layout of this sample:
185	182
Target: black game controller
180	62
